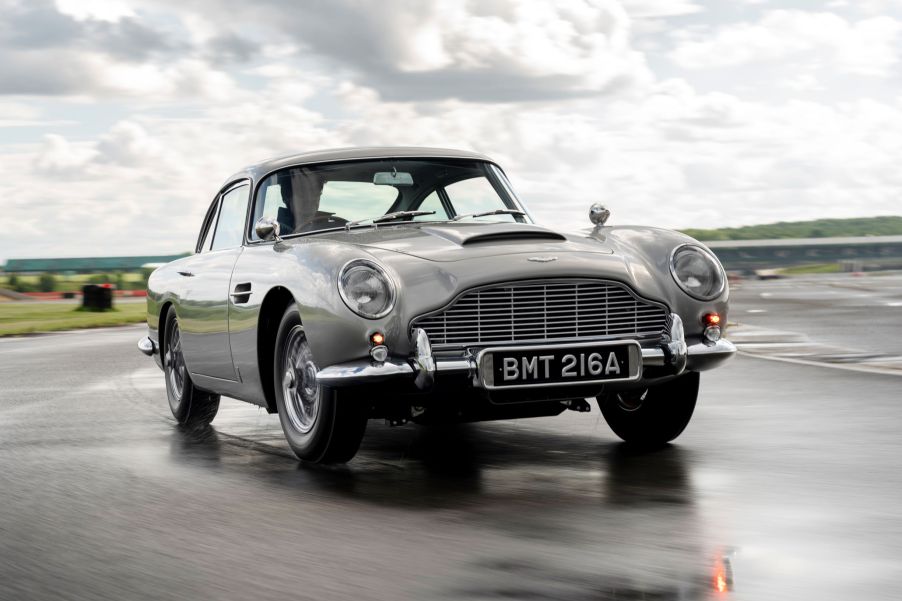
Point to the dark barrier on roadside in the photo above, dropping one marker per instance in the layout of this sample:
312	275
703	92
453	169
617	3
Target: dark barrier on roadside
97	298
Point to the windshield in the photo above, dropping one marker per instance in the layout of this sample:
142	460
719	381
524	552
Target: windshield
320	197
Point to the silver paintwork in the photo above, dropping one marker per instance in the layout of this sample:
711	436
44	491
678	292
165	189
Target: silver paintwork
430	263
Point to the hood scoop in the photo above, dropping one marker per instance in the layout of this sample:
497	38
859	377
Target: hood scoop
479	233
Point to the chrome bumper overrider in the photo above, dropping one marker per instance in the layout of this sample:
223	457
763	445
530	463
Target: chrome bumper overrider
147	346
673	354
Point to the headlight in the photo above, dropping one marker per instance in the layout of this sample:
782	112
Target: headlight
697	271
366	289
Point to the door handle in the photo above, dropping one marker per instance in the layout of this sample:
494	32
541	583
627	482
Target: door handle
187	274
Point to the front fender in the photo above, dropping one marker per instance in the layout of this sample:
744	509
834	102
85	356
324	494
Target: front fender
647	252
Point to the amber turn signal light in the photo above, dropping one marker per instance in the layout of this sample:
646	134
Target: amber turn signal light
711	319
377	338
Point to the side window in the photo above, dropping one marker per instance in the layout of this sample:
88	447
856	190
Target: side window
432	203
210	224
476	195
230	224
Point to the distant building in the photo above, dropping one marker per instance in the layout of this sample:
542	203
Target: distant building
763	254
86	264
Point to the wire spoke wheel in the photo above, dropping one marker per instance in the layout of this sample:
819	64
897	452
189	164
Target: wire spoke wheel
175	361
299	389
190	405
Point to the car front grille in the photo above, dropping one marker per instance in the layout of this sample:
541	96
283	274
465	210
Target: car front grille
548	310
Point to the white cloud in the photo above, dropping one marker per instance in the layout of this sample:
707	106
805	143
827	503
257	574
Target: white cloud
524	82
101	10
865	47
660	8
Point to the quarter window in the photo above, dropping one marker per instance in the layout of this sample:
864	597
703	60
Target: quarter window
230	224
210	224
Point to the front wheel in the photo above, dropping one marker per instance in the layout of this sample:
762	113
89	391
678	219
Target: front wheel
653	416
322	425
190	405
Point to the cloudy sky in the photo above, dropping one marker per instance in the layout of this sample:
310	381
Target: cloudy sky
119	119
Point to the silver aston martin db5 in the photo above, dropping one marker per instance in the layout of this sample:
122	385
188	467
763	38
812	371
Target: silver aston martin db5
412	284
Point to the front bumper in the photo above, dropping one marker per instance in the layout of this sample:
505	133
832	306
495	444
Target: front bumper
672	357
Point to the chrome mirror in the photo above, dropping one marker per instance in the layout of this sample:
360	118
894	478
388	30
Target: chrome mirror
267	228
598	214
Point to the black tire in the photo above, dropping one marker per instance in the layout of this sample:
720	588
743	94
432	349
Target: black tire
190	405
654	416
321	425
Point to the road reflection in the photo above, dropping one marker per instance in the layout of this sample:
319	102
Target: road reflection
557	516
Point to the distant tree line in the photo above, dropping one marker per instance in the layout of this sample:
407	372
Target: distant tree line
818	228
48	282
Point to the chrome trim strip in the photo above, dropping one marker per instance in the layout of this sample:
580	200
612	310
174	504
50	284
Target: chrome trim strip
362	371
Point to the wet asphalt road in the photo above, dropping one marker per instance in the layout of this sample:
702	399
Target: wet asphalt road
793	473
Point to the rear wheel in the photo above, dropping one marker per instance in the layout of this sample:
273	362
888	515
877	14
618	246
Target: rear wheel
652	416
322	425
189	405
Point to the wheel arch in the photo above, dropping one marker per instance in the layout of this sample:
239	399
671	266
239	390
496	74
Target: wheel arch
271	311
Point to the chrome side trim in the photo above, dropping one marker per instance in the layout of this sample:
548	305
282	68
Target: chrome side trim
707	356
362	371
699	357
147	346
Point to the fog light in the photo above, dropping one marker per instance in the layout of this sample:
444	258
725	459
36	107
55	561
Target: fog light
712	333
379	353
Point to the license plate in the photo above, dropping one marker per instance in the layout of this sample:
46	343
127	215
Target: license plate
559	365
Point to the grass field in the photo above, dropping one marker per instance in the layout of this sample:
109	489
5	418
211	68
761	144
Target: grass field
811	269
28	317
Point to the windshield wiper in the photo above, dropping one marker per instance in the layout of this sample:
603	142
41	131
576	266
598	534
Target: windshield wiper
388	217
487	213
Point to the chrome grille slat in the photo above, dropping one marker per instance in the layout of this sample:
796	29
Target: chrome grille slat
537	311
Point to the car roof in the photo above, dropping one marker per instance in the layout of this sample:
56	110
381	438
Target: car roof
351	154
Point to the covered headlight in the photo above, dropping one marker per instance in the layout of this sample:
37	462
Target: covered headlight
697	271
366	289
